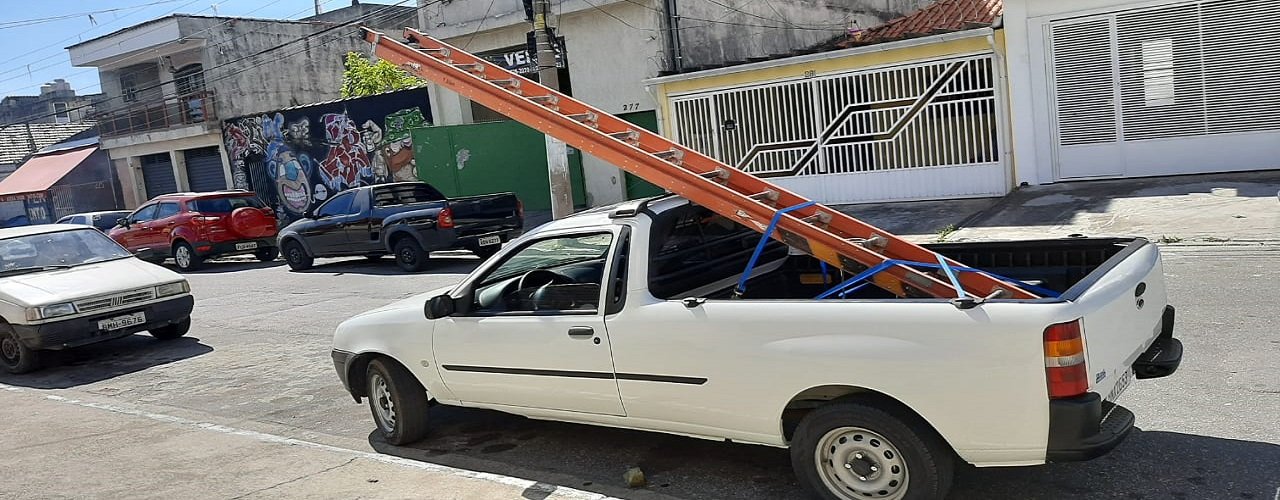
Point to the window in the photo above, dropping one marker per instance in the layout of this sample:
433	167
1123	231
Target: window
405	194
60	113
555	274
339	205
166	210
144	214
129	87
226	205
691	247
1157	72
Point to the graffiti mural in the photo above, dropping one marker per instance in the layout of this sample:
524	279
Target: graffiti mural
298	157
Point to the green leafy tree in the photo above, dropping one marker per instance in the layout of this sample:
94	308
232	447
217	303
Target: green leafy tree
362	78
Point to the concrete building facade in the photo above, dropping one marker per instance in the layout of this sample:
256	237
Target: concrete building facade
610	47
168	82
57	103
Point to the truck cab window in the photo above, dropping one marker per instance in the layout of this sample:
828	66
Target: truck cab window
556	274
339	205
691	247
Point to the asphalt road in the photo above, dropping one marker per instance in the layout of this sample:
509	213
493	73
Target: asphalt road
258	358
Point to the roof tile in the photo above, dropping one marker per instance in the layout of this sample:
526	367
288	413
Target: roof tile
942	15
16	143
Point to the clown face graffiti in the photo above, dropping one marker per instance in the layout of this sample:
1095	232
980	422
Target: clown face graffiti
290	172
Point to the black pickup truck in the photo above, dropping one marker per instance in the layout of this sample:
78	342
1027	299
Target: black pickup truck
404	219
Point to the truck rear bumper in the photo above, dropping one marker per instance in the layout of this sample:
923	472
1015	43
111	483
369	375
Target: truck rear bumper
1086	427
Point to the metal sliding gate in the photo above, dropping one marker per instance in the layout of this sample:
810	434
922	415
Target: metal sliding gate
917	131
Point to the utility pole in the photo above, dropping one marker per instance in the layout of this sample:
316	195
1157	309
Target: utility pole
557	151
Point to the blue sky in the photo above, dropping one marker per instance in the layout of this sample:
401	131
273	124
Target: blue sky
32	54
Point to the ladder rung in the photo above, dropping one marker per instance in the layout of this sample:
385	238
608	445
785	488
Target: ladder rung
718	173
587	117
439	53
818	218
671	155
769	195
545	99
508	82
472	67
627	136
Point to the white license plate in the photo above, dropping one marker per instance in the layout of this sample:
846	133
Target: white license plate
247	246
489	240
119	322
1126	379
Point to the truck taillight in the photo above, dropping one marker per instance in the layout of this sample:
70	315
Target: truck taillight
519	208
1064	365
445	219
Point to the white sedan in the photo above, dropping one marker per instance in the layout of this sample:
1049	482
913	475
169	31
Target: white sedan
64	286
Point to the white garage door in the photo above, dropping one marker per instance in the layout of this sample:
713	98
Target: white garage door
915	131
1179	89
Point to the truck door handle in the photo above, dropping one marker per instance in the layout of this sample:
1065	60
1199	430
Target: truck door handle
581	331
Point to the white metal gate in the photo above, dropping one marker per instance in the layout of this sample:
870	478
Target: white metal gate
1184	88
916	131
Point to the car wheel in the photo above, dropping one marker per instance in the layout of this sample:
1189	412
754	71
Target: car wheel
398	402
409	255
186	257
14	357
486	251
267	254
858	450
173	331
297	257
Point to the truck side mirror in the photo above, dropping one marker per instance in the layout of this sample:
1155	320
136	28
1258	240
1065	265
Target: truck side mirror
440	306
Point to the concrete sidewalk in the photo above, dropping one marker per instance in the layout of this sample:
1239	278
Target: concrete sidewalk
1240	208
61	448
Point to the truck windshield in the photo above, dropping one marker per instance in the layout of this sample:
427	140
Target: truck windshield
226	205
57	249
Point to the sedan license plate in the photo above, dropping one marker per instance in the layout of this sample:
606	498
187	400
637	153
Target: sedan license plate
119	322
1126	379
489	241
247	245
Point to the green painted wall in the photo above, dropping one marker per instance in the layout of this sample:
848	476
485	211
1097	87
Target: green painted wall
464	160
637	187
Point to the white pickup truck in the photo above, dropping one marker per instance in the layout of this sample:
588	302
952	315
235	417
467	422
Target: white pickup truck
629	317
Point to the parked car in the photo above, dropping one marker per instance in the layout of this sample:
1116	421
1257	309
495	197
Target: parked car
405	219
64	286
104	221
193	227
630	319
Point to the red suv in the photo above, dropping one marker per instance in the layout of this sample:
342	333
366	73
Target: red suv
192	227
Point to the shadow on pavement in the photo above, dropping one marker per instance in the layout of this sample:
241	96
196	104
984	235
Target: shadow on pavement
228	266
439	264
106	360
1150	464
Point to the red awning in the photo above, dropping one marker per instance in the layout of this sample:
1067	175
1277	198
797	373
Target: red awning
42	172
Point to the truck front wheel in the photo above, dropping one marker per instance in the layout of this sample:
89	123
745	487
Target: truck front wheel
859	450
398	402
296	256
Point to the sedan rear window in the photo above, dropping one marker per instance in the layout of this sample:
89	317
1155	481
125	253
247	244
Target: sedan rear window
227	204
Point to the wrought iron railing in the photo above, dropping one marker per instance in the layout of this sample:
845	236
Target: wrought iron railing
160	114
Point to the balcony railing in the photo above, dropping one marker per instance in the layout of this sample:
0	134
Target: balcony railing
169	112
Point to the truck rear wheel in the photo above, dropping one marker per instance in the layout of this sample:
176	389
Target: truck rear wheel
860	450
409	255
14	357
296	256
398	402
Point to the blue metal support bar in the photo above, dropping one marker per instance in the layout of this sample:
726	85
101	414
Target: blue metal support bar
764	239
841	288
946	268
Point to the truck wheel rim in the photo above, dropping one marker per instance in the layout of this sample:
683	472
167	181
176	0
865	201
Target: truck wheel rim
384	407
182	256
856	463
407	256
295	255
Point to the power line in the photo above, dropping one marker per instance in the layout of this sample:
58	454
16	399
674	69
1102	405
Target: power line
619	19
478	25
42	20
784	21
729	23
262	63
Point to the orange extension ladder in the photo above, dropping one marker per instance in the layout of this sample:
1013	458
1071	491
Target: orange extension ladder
835	238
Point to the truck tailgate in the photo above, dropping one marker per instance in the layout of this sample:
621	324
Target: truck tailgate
1122	312
474	215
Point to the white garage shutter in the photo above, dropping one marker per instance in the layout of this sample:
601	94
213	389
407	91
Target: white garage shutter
1196	89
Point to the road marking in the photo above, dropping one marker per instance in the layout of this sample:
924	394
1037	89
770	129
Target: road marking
549	489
